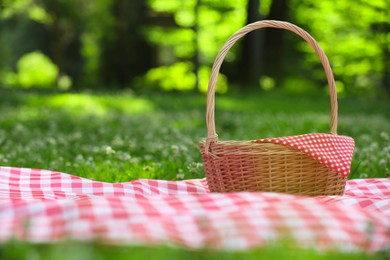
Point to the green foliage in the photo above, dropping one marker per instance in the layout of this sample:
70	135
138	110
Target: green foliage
63	18
34	70
39	14
12	7
214	21
181	40
217	21
204	75
300	86
267	83
346	31
265	6
351	33
11	45
97	26
180	76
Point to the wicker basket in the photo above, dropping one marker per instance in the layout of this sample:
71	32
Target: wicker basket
233	166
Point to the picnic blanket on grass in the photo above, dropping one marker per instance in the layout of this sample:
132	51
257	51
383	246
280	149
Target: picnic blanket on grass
48	206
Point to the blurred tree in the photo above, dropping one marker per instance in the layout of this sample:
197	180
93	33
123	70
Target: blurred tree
196	43
36	70
73	30
115	42
274	42
382	31
355	36
98	23
125	54
250	62
17	29
64	19
192	29
58	25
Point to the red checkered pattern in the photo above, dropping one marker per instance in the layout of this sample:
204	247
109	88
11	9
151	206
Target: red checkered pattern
47	206
333	151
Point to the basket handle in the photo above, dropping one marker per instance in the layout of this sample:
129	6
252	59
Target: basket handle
210	121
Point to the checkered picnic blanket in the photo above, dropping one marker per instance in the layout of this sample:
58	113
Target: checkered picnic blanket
46	206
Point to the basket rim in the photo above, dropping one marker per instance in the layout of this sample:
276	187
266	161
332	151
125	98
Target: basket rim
247	147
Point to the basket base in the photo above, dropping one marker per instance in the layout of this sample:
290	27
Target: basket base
234	166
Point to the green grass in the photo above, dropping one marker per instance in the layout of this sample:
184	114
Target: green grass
122	136
93	250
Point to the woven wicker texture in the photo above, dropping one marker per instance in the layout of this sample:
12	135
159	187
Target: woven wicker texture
247	166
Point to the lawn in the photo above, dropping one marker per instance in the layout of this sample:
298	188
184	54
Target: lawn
121	136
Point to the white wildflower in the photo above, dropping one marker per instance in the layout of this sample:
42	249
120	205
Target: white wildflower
109	150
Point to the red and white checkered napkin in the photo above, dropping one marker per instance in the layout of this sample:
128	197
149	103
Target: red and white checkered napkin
333	151
47	206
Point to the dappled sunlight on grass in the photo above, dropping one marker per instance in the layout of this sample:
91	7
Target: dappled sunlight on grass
22	113
77	104
88	104
269	102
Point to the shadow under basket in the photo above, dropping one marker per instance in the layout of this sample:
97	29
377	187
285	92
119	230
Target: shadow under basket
234	166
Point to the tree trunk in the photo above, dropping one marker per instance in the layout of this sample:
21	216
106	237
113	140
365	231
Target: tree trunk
386	61
196	58
386	71
249	65
61	38
126	54
274	46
